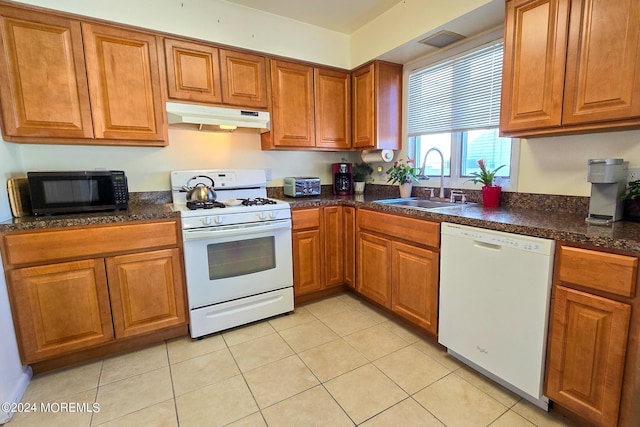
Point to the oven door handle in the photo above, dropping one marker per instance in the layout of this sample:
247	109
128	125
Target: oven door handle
230	231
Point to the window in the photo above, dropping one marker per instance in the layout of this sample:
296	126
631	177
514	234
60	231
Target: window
454	106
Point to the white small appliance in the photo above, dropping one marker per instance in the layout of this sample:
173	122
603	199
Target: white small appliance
608	178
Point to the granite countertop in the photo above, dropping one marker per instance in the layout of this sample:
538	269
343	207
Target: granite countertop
135	212
566	226
571	227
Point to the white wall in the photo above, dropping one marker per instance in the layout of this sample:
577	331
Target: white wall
13	376
148	168
558	165
221	22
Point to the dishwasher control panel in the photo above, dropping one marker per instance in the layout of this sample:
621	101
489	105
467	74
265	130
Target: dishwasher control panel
499	239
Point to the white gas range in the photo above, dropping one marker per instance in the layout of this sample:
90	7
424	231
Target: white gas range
237	250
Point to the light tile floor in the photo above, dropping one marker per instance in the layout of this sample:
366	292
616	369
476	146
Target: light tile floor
334	362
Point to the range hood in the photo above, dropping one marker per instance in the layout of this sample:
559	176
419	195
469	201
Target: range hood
216	119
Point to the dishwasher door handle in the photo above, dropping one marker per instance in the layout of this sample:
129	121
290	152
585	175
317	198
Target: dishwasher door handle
485	245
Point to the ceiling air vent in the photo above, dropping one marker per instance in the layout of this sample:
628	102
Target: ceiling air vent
442	38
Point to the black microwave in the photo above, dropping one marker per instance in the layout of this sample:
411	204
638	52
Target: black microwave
77	191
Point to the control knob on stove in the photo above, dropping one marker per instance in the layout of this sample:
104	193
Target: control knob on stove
262	216
272	215
218	219
206	220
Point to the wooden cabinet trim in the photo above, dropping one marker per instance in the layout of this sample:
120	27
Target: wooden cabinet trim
305	218
414	230
61	244
603	271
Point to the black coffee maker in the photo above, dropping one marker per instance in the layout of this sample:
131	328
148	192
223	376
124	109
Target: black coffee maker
342	179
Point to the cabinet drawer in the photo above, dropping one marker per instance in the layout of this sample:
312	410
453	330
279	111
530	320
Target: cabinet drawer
602	271
411	229
305	218
53	245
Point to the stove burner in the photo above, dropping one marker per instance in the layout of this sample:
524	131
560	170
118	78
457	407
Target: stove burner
258	201
204	205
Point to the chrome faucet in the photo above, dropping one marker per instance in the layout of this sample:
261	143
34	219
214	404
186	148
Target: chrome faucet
458	193
421	175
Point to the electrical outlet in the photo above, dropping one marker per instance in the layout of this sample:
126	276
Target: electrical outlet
633	174
268	174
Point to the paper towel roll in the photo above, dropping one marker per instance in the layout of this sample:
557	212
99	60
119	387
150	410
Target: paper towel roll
373	156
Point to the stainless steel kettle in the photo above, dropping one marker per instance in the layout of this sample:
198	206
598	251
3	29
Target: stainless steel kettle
200	192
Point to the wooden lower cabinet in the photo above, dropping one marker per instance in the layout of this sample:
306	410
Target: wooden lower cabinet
60	308
398	265
414	284
67	299
349	232
307	261
146	291
587	354
318	255
374	268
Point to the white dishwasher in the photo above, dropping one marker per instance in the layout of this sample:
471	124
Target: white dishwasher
495	291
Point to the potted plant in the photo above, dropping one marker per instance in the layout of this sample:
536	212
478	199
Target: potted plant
361	174
631	196
490	192
404	174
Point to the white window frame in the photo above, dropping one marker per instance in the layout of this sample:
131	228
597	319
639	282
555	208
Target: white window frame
455	180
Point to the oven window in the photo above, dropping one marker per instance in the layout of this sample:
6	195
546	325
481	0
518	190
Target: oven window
233	259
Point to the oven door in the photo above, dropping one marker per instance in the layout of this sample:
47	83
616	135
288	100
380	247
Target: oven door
224	263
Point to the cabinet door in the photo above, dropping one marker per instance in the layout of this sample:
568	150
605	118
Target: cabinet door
147	291
333	108
374	268
292	112
534	61
43	91
333	246
587	352
307	261
124	83
603	62
244	79
193	72
60	308
363	107
414	282
349	222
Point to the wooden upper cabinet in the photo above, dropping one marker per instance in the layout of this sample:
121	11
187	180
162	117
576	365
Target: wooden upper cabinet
570	66
332	108
292	112
603	62
536	33
43	89
193	71
124	83
244	79
377	106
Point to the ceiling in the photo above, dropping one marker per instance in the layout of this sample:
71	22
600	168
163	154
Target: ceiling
344	16
347	16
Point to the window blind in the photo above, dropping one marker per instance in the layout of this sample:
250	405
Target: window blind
457	95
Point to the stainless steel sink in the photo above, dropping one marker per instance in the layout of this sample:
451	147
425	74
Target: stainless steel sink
416	202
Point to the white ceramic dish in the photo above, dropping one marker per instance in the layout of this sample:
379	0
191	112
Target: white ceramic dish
232	202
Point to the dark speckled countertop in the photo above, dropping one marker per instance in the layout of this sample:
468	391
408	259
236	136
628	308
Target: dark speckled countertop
550	224
571	227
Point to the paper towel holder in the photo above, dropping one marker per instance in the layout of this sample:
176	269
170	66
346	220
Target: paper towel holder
371	156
